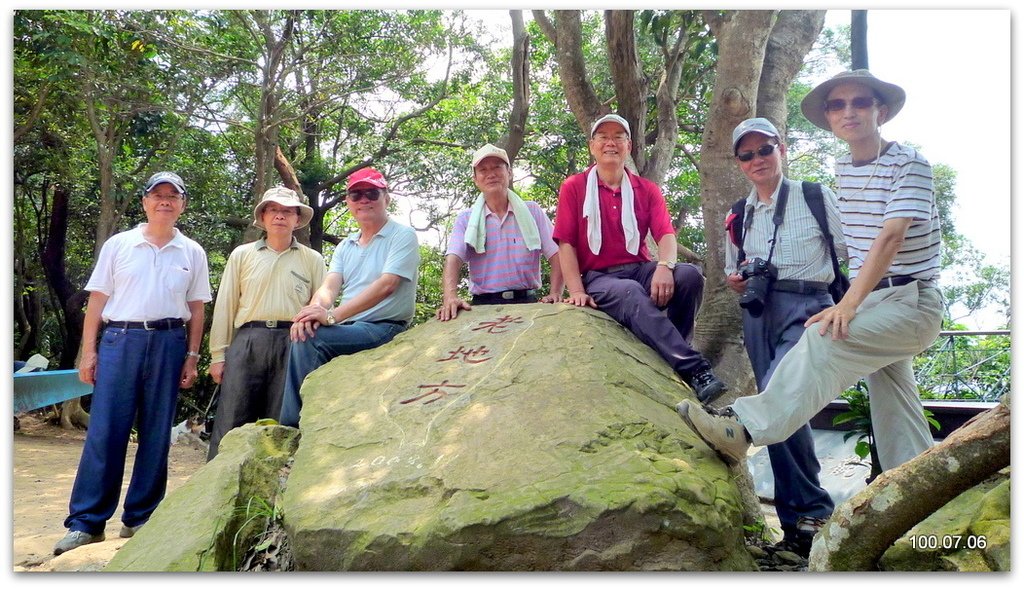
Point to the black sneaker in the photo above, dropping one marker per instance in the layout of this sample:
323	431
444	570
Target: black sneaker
799	541
706	385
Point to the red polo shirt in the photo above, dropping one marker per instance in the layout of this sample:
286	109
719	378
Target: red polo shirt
571	227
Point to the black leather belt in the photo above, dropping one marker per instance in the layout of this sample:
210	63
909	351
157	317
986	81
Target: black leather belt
890	281
269	324
620	267
155	325
800	286
508	296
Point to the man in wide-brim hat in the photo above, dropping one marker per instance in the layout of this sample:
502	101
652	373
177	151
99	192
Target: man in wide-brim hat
265	284
893	309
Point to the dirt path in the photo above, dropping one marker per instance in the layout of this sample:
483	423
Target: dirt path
45	459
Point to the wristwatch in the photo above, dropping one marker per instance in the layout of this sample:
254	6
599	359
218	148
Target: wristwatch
331	319
667	264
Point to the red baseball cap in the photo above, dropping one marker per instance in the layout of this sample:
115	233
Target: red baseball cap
367	176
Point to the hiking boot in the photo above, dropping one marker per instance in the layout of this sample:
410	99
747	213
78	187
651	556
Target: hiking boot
75	538
799	541
706	385
129	531
721	430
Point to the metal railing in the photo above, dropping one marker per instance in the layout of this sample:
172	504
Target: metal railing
965	365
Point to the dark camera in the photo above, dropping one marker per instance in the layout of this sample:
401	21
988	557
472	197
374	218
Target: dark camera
760	275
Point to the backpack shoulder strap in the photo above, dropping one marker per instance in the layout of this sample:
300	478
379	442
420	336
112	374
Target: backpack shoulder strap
816	202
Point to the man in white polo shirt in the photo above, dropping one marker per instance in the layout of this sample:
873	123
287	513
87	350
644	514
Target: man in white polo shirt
893	309
377	267
149	283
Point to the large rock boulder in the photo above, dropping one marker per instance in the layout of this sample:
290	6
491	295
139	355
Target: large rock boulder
971	533
207	523
520	437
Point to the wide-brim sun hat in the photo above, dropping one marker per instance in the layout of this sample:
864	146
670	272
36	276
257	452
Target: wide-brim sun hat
286	198
813	105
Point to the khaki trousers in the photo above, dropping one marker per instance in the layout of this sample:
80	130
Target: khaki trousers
892	325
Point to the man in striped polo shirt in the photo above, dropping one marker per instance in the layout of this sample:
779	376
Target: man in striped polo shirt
502	238
893	309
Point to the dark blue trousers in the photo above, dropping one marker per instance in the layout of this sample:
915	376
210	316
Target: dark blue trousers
329	342
625	295
138	372
795	466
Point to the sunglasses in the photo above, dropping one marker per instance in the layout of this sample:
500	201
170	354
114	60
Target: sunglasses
763	151
858	102
371	195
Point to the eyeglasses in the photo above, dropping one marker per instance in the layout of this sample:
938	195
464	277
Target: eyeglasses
619	138
371	194
857	102
763	151
287	212
166	197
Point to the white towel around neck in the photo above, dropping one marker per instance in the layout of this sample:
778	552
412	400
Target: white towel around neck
592	212
476	229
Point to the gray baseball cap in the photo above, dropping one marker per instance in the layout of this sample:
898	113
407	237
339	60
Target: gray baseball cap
168	177
755	125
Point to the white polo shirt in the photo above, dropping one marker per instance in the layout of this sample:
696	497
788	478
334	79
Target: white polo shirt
146	283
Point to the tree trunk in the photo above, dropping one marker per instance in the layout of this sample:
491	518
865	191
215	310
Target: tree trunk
631	86
742	40
859	39
863	528
53	258
566	34
513	139
791	39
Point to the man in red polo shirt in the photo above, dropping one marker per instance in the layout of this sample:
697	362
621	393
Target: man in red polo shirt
603	217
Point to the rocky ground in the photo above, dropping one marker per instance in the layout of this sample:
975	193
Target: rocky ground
45	459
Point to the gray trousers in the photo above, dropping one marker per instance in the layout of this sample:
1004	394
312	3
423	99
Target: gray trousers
253	383
891	327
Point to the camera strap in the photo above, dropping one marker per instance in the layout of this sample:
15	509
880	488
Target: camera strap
748	220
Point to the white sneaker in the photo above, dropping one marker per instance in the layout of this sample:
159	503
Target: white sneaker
723	432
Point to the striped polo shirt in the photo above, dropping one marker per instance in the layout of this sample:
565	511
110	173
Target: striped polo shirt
506	264
899	186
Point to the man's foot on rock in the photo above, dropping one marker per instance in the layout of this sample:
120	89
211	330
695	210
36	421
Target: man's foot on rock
75	538
799	540
721	430
129	531
706	385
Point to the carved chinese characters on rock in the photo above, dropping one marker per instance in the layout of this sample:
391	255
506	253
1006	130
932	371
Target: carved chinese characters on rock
473	355
499	325
436	392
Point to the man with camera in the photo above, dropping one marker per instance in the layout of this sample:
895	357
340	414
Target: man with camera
779	260
893	308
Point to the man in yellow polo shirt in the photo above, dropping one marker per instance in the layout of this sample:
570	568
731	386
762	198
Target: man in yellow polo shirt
265	284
